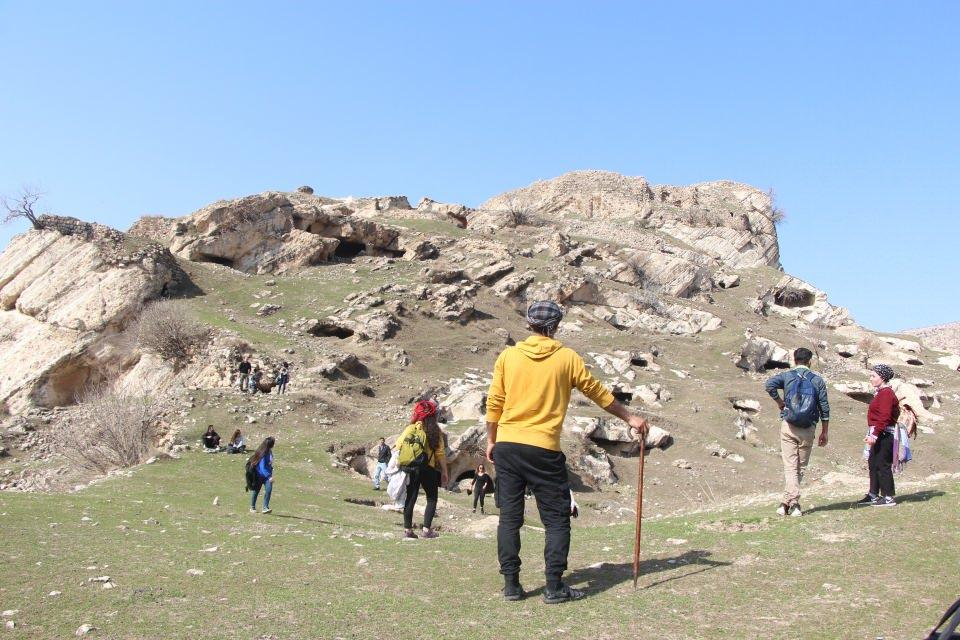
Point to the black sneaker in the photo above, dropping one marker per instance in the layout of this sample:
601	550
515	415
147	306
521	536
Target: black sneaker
563	594
865	500
513	592
885	501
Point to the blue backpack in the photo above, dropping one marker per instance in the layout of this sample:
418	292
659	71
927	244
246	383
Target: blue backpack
801	408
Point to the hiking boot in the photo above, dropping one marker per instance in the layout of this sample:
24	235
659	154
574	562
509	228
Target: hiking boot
867	499
513	592
795	510
563	594
783	509
429	534
409	534
884	501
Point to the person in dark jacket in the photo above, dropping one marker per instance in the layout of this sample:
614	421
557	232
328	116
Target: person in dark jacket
481	483
262	460
244	373
882	416
796	441
211	439
383	459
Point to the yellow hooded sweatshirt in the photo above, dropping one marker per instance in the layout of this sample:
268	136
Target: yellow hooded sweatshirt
531	388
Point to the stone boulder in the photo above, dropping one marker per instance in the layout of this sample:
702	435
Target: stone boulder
793	298
455	213
660	272
760	354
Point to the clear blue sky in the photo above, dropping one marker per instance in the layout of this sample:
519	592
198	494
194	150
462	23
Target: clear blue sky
848	110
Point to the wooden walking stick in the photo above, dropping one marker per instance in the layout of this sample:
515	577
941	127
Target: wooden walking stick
636	543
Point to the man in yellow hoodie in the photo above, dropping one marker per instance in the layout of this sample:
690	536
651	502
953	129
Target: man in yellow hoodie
526	407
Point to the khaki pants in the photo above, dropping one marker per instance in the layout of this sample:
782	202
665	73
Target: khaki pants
796	443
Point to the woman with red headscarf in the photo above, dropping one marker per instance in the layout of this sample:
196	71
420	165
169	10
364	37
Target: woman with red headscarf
430	475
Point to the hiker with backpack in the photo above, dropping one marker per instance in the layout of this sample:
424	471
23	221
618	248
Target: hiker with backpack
526	406
481	485
422	457
882	416
804	403
259	474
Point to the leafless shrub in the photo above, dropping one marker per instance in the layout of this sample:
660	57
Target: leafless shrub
518	213
777	215
868	348
167	330
110	428
644	281
820	333
22	206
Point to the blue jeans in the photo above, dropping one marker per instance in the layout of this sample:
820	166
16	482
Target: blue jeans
380	472
266	495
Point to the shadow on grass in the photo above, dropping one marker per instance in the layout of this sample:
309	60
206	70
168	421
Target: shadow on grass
608	575
919	496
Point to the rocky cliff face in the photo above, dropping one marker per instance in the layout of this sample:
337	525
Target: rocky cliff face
728	221
944	336
66	292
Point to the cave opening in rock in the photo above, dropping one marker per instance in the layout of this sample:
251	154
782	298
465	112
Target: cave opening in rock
623	396
637	361
226	262
469	474
915	362
776	364
348	249
794	298
329	330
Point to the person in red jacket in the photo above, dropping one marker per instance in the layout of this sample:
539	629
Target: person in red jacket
882	415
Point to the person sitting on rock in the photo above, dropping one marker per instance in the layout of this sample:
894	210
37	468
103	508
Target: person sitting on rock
255	378
211	440
237	444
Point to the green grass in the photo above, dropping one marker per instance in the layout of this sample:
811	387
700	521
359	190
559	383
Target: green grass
320	566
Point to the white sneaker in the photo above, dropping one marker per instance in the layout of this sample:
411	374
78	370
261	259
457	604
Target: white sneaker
267	511
782	509
795	510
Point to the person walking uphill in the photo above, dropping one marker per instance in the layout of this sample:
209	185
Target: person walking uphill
882	416
526	406
804	403
260	474
430	472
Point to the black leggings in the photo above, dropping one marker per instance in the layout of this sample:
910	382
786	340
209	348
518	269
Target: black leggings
429	479
880	463
478	496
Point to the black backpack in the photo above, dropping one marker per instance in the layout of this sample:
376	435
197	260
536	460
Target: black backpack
251	475
948	624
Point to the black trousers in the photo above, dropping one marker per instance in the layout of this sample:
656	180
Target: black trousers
429	479
545	472
478	496
880	462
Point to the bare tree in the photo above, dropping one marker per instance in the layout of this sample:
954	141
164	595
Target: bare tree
820	333
110	428
167	330
518	213
22	206
868	347
777	215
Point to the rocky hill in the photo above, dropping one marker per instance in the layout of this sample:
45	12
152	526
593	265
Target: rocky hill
674	295
943	336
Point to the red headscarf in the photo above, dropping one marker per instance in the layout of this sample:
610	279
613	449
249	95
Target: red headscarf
422	410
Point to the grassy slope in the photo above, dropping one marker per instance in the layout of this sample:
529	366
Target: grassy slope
300	572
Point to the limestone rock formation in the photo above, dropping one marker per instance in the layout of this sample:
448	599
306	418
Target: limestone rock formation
66	292
728	221
273	232
794	298
945	337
